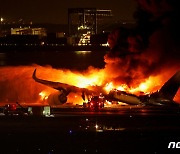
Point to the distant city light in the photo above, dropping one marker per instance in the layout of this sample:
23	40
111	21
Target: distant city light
83	27
82	52
2	19
42	43
85	39
96	126
105	44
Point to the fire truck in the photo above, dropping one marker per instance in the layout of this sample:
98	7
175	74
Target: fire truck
13	109
95	103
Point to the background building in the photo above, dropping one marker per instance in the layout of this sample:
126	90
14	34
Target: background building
84	22
28	31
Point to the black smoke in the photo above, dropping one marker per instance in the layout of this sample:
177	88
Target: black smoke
151	47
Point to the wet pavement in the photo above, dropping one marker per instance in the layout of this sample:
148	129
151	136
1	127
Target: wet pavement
123	130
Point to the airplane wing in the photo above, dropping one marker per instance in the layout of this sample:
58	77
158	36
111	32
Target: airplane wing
66	88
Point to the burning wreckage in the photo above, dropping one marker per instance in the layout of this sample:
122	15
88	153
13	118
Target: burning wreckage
141	59
164	96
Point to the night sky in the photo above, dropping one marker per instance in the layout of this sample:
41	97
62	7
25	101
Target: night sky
55	11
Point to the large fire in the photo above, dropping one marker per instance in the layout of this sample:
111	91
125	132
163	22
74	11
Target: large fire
141	60
17	83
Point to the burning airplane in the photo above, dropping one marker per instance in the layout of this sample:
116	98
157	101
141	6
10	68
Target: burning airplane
139	62
164	96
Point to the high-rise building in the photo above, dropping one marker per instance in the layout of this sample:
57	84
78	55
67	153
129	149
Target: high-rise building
83	22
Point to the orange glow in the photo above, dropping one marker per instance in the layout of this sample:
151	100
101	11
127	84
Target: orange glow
75	99
122	87
151	84
109	86
19	85
44	95
84	82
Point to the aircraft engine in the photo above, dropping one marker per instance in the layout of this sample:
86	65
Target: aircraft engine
63	98
57	98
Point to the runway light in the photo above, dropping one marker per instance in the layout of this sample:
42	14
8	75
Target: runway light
70	132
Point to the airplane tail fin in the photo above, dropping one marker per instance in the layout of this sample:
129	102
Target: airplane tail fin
170	88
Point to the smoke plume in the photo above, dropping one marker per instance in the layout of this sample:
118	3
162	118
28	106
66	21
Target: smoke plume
151	48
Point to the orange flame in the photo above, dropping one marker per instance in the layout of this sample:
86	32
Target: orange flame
44	95
17	83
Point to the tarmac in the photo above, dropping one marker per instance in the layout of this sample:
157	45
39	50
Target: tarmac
129	129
